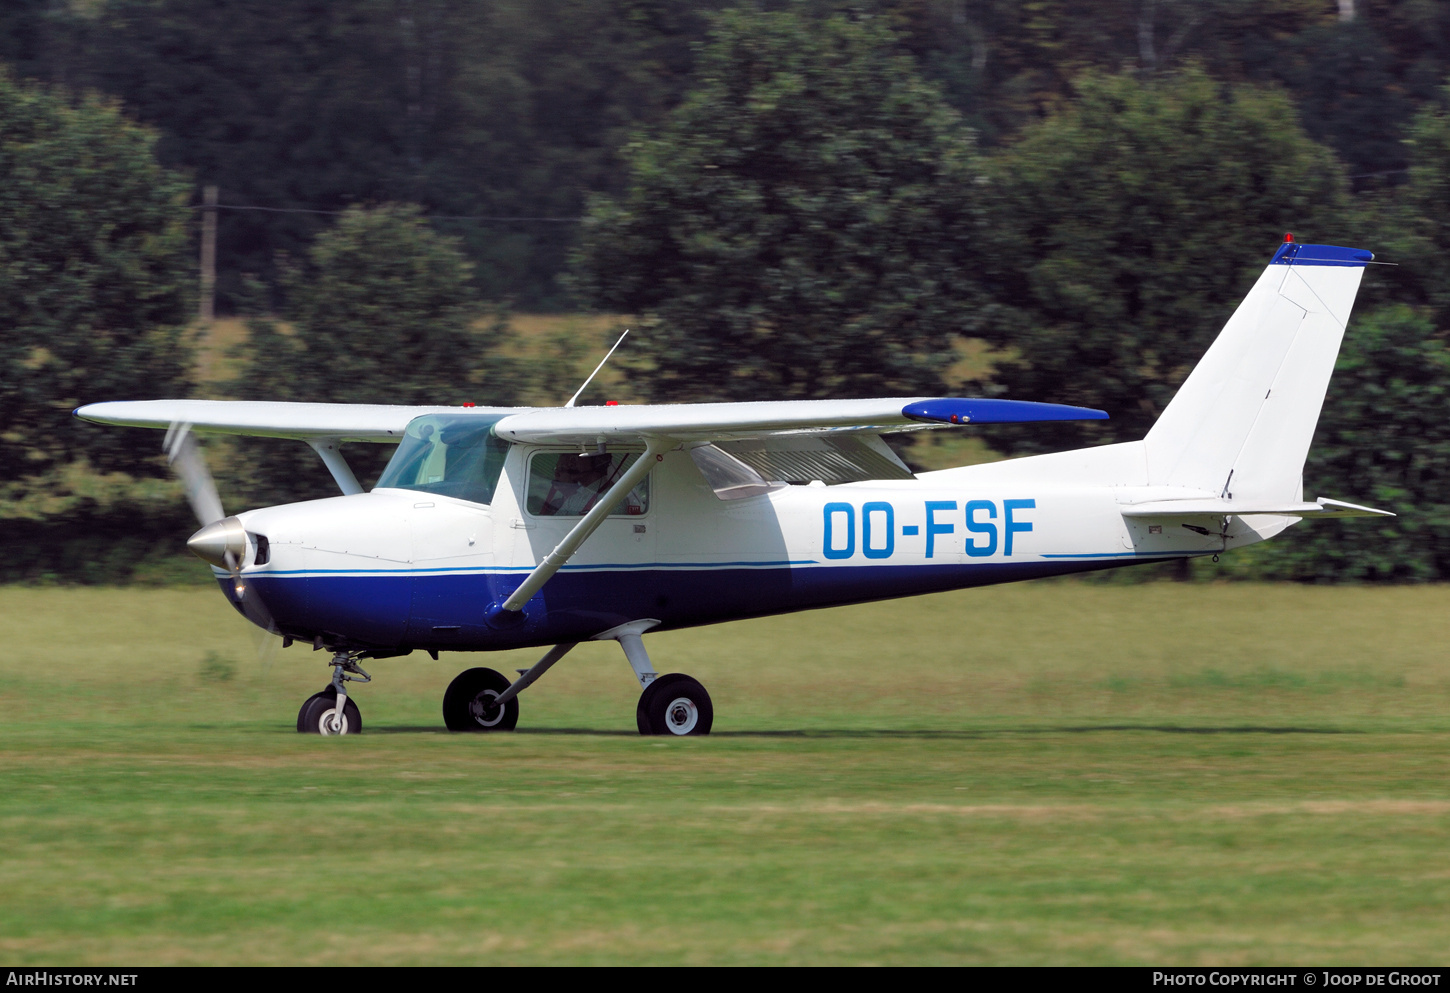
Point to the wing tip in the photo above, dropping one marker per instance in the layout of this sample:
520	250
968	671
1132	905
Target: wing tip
986	410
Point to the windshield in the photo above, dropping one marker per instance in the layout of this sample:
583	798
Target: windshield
448	454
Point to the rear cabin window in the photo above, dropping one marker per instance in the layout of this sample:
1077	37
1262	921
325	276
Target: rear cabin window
448	454
565	484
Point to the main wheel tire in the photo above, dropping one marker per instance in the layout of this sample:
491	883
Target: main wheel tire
315	717
641	710
675	704
328	691
466	702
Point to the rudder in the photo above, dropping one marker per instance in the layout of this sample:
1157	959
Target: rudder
1242	422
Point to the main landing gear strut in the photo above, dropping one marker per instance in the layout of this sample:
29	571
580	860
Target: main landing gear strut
484	699
670	704
330	711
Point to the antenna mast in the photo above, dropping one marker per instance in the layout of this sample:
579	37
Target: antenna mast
597	368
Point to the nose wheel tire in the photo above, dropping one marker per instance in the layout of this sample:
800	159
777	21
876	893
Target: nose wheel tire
674	704
319	711
468	706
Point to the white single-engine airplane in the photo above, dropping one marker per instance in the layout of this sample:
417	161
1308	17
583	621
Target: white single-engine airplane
499	528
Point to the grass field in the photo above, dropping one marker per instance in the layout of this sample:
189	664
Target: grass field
1044	773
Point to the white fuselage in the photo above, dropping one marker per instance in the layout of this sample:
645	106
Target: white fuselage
399	568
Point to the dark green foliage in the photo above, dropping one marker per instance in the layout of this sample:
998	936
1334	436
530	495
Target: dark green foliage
467	107
133	541
280	104
517	109
1384	441
1417	220
381	311
1348	96
799	227
94	267
1128	226
24	37
1005	63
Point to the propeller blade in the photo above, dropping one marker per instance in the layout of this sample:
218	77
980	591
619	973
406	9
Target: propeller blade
252	604
186	460
184	455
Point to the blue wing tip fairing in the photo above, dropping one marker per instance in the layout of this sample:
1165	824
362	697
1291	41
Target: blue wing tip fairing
981	410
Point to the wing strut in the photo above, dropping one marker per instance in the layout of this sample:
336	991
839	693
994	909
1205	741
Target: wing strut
330	450
511	610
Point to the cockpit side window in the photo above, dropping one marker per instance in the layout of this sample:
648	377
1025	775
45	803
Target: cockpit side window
451	455
563	484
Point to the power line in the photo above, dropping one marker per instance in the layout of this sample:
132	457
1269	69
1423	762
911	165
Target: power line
426	217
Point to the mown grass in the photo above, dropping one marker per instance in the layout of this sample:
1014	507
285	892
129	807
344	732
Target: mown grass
1056	772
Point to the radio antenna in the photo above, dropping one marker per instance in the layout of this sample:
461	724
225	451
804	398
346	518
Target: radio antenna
597	368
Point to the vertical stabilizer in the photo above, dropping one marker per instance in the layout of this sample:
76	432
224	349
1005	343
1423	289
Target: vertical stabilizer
1242	422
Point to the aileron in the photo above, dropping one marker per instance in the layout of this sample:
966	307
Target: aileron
265	419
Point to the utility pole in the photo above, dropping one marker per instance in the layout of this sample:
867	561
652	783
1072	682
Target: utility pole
208	255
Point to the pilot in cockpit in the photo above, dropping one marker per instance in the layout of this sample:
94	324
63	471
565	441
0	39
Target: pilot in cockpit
578	482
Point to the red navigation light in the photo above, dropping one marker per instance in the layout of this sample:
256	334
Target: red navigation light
470	403
611	403
1288	237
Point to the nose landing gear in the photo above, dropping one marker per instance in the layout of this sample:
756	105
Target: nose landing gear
330	711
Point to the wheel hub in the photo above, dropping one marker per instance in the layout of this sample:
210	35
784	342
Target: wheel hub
682	715
485	710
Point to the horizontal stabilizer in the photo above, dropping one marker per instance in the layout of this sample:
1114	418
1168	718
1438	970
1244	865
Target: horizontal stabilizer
1318	510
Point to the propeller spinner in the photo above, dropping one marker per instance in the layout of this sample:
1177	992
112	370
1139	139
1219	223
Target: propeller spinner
222	541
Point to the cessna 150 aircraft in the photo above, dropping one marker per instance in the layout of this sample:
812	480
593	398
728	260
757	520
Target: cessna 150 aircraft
500	528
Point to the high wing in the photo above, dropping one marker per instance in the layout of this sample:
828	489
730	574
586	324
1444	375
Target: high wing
744	448
269	419
735	421
751	445
583	425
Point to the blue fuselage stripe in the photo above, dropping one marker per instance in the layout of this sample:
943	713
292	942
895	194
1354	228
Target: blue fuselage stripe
445	610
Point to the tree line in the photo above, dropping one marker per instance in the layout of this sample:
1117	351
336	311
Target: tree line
791	200
521	108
